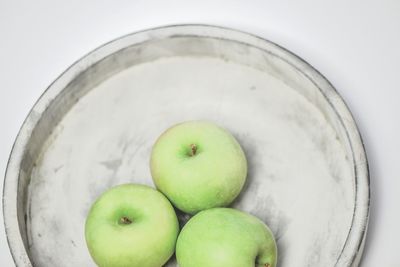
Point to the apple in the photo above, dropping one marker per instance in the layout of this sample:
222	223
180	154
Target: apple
225	237
198	165
131	225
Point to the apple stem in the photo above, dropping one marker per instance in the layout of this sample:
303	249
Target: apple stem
193	151
267	265
125	220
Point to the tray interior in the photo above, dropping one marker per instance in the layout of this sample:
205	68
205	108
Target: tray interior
99	131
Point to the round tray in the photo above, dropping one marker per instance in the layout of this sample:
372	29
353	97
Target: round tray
95	125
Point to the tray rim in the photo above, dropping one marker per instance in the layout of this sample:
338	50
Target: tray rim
354	244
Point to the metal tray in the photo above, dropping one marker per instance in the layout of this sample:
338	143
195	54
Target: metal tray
94	127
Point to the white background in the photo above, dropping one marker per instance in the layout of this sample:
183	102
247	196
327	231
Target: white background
355	44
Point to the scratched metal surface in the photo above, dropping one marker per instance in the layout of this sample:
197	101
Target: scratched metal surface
95	125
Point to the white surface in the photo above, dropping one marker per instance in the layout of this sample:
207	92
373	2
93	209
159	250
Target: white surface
355	45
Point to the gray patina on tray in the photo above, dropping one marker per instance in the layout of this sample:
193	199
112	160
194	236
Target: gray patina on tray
95	125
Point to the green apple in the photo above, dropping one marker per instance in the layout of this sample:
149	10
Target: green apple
131	226
225	237
198	165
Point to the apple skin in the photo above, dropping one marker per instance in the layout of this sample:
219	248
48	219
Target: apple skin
226	237
148	241
211	177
